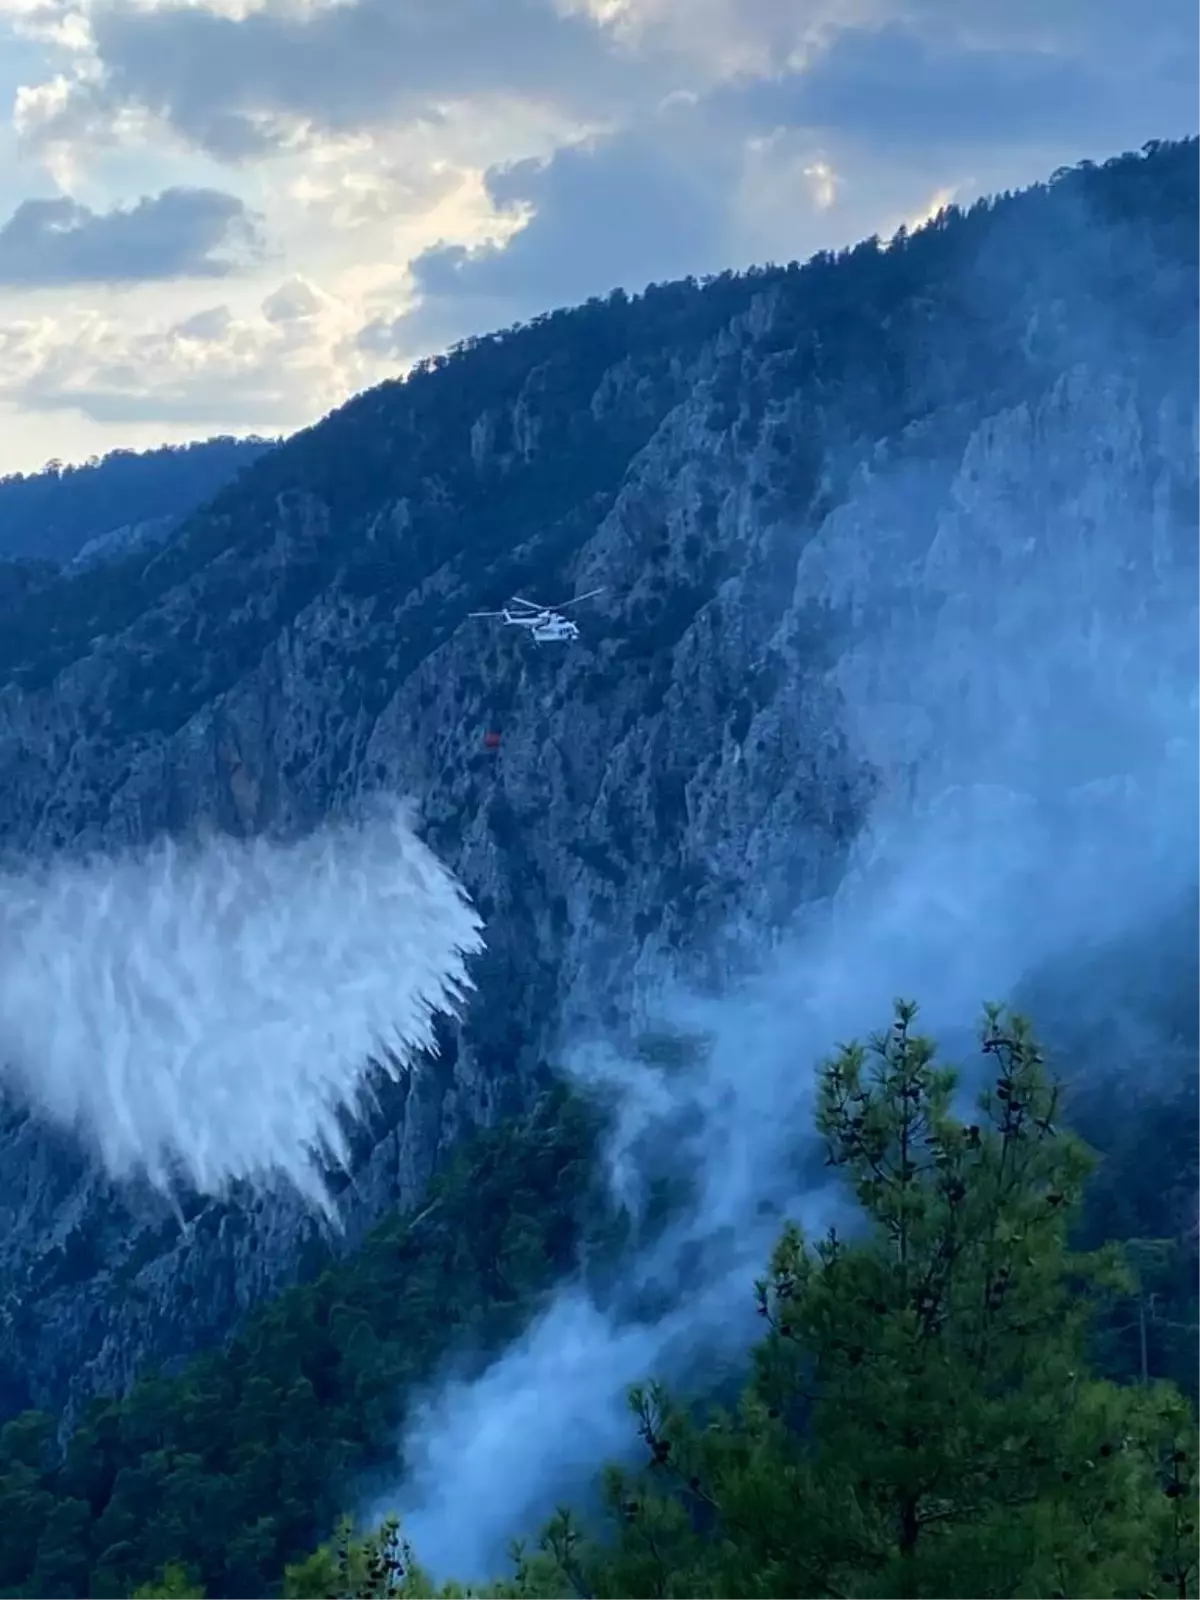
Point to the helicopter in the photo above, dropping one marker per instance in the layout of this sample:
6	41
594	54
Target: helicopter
546	624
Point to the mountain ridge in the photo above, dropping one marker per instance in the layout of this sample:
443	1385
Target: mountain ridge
76	515
776	479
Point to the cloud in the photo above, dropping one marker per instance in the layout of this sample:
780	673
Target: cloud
698	187
265	367
222	71
242	86
896	85
206	327
175	234
1069	28
716	39
880	126
449	169
371	186
620	211
239	81
294	301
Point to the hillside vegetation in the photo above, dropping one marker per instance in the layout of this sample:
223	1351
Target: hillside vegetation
505	454
51	515
242	1461
988	1388
923	1418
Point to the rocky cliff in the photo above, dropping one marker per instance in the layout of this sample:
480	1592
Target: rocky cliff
780	480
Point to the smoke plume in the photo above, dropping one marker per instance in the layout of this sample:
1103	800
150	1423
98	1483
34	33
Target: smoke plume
205	1012
1017	661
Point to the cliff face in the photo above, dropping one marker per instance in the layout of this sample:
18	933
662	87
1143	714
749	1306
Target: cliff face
780	482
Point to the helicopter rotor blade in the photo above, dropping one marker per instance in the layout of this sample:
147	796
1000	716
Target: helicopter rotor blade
578	600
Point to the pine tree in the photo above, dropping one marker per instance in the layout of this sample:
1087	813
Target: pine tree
377	1565
921	1420
946	1353
174	1584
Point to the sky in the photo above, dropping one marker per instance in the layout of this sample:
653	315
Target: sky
227	216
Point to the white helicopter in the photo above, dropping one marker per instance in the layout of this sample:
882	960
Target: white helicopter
546	624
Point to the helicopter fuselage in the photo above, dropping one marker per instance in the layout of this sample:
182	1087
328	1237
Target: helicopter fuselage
546	627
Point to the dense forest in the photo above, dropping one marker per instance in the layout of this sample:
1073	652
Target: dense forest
241	1462
53	514
938	1405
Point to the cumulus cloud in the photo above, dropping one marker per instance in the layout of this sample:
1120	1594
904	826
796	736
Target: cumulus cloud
698	188
715	39
294	301
180	233
239	86
241	80
871	126
619	211
450	169
362	184
265	367
206	327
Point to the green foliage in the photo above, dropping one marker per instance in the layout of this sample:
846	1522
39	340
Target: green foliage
921	1419
379	1565
50	515
219	1477
173	1585
923	1416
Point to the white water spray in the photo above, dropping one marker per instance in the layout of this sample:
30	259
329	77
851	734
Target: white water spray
206	1012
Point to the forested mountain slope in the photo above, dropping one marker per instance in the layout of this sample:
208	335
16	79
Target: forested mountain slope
105	507
779	479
